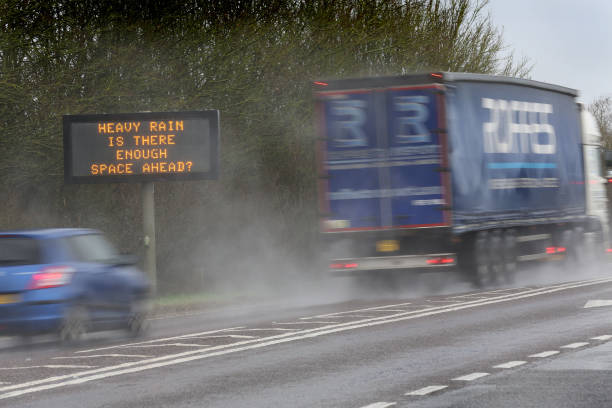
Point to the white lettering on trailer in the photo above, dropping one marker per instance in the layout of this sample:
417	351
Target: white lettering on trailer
349	132
517	127
411	129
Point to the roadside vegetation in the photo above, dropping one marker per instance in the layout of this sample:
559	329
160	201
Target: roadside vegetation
252	60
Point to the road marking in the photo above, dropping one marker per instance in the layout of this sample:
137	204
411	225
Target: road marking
380	405
510	364
159	340
427	390
359	310
47	366
309	322
471	377
268	329
575	345
173	359
545	354
605	337
233	336
168	345
597	303
101	356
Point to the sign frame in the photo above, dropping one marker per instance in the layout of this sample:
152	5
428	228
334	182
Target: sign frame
213	152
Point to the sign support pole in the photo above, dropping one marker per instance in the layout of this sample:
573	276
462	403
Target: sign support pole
148	224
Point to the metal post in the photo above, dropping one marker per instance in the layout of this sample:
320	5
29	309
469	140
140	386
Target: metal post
148	224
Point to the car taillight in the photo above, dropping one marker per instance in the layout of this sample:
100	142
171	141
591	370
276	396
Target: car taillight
51	277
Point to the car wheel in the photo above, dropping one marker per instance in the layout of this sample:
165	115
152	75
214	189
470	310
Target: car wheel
73	325
138	323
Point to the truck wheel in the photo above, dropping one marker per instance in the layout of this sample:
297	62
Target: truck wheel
483	272
578	247
509	253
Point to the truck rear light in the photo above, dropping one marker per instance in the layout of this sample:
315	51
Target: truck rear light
343	265
51	277
440	261
556	250
550	250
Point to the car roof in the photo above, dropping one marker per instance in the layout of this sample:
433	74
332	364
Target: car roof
50	232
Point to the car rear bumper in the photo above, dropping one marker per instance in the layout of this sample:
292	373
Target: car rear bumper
30	318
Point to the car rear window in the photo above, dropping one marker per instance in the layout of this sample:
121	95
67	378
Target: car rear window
17	250
91	248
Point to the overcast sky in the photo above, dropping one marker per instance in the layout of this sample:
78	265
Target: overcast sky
569	42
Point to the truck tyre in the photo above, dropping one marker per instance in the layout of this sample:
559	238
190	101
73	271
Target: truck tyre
482	272
509	252
577	248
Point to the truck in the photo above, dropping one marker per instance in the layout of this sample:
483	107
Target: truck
463	171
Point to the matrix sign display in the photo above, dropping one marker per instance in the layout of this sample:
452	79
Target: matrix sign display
140	147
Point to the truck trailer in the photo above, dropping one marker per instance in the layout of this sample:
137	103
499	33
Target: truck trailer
457	170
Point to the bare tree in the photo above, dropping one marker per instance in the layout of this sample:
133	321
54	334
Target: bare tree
601	108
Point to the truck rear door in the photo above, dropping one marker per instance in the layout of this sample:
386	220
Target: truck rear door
382	158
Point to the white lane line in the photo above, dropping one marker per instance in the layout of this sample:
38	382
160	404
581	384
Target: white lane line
47	366
233	336
427	390
380	405
545	354
184	336
172	359
309	322
510	364
268	329
101	356
470	377
575	345
168	345
358	310
605	337
597	303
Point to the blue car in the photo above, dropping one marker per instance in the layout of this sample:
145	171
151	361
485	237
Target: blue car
68	281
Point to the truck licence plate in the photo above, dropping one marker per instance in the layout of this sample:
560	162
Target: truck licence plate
388	245
7	299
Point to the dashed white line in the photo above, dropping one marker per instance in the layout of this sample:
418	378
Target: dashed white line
427	390
605	337
380	405
471	377
510	364
545	354
575	345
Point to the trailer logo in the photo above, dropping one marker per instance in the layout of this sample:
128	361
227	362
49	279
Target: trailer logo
412	128
349	132
518	127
